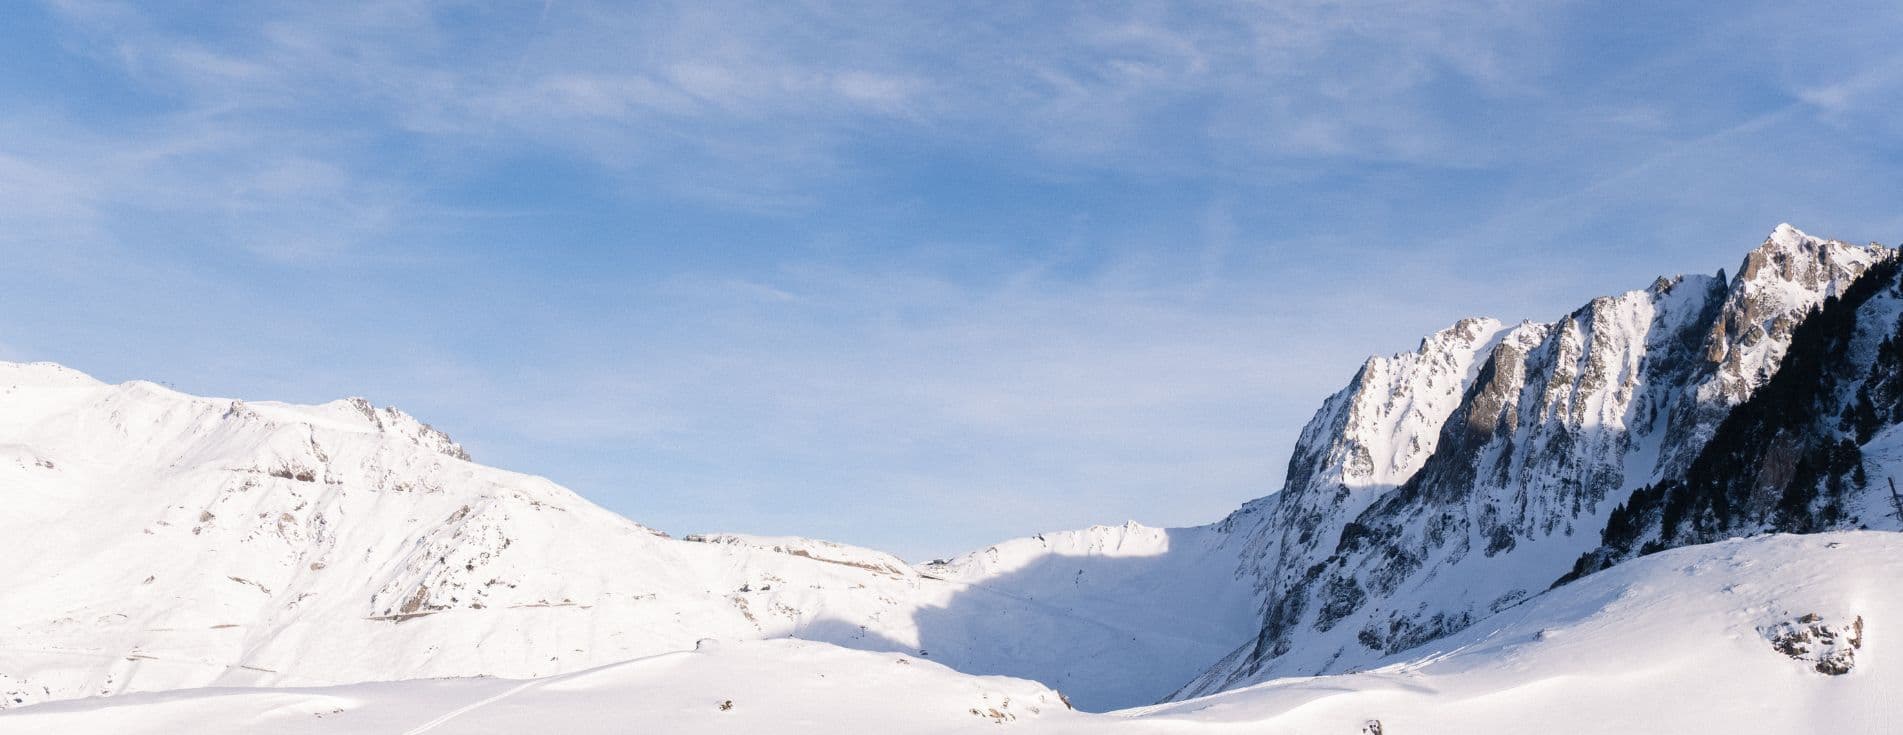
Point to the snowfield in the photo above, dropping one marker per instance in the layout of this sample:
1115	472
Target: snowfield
1734	637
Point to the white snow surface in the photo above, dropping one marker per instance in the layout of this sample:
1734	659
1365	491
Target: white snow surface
156	540
1196	601
1681	641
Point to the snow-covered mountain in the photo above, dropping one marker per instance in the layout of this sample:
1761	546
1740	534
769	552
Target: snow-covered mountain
157	540
1448	484
1776	634
164	541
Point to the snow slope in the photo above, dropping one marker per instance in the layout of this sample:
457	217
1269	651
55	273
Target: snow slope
1682	641
1184	589
1725	637
769	686
158	540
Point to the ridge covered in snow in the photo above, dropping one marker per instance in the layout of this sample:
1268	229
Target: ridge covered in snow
159	540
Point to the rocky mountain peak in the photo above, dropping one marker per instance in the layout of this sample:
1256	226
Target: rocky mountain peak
1779	282
1812	263
1467	333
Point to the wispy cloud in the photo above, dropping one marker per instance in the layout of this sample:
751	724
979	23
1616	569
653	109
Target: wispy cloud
767	101
1006	266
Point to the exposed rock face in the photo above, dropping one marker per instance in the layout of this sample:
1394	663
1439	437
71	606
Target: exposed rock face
1363	443
1829	648
1409	513
389	420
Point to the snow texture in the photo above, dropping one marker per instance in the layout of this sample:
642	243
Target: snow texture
1674	642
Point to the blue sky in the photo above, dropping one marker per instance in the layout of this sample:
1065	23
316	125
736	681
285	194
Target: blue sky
912	276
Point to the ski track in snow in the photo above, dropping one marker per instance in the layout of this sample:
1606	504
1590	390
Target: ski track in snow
444	718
